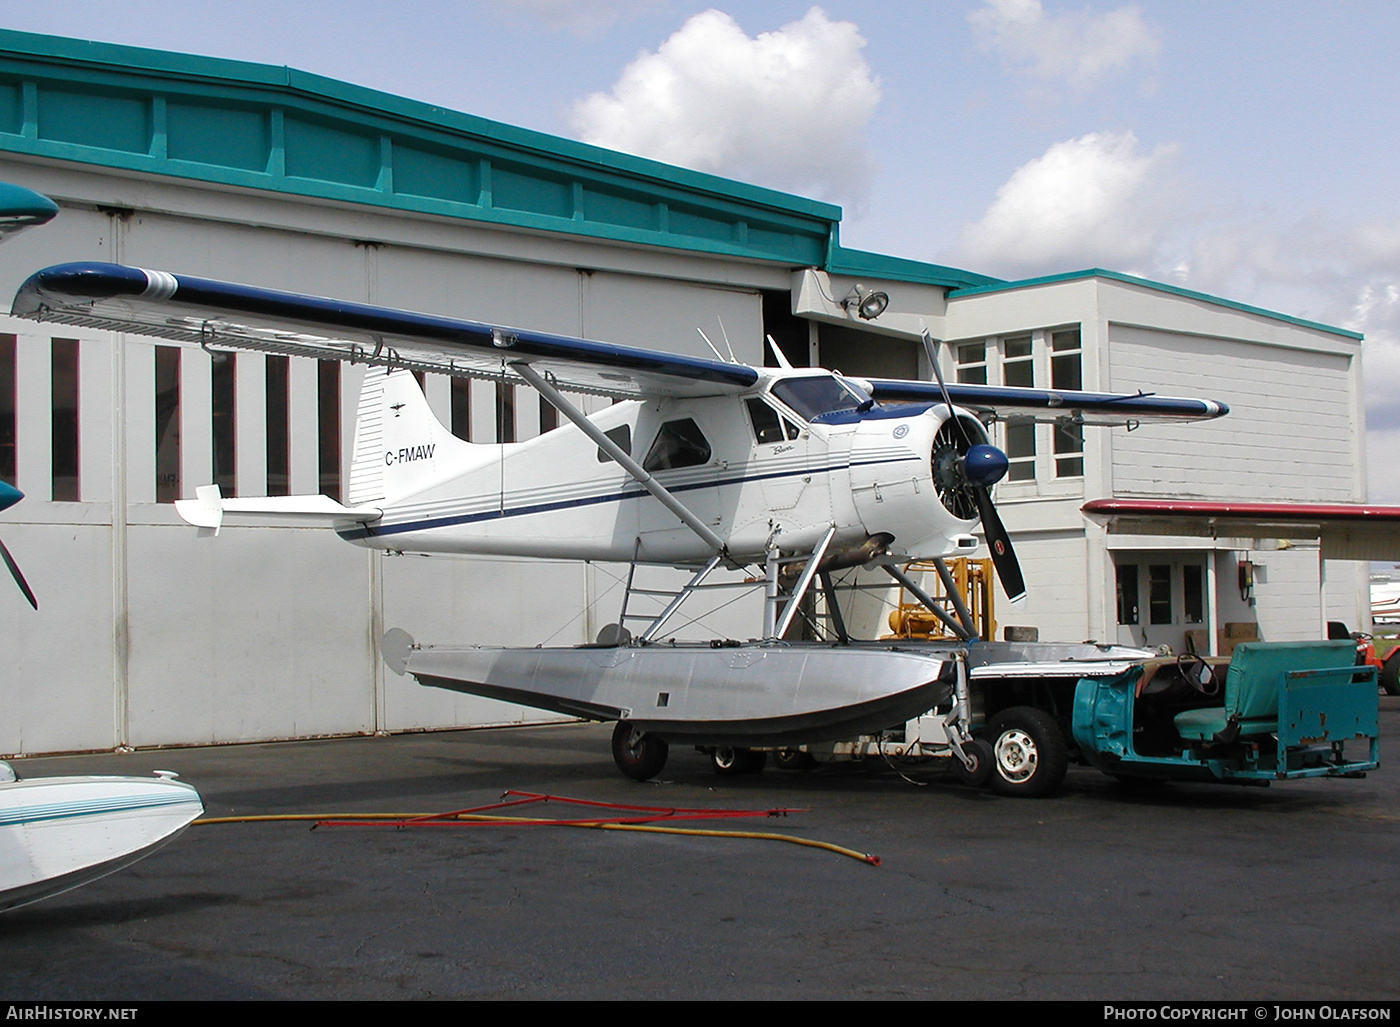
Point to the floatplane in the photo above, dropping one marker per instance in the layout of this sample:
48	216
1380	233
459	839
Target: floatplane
779	474
57	833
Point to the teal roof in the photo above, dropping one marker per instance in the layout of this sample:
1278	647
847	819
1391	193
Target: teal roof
876	265
278	129
1146	283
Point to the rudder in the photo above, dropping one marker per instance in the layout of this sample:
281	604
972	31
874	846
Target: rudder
400	445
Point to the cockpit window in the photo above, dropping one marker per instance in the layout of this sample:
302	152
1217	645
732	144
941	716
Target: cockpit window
811	397
768	426
678	444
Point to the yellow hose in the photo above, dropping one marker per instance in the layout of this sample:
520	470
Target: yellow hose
863	857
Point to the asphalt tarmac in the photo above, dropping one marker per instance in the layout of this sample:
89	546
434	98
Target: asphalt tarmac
1189	892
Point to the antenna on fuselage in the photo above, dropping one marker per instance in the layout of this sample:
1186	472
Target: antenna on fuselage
717	353
732	358
778	354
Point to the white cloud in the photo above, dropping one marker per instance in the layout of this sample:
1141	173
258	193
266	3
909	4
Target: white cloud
1077	49
787	108
1101	201
1095	201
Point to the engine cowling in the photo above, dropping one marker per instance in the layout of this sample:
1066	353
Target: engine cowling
915	476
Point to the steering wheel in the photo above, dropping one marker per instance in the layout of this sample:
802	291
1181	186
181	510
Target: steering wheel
1198	674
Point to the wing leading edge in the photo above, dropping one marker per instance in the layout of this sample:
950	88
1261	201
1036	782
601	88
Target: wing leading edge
206	312
1015	404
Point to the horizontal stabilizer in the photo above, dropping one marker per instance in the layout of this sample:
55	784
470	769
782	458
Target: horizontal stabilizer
206	511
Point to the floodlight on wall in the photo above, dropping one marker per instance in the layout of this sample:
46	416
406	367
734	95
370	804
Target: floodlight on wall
868	305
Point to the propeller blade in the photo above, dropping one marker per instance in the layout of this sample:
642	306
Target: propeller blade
19	577
999	542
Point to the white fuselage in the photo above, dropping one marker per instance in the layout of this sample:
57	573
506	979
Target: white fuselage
750	467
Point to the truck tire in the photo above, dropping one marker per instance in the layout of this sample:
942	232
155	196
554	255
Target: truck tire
1390	673
1030	756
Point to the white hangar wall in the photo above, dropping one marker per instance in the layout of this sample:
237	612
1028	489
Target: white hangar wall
148	635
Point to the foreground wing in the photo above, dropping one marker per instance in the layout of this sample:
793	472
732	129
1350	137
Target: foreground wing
1013	404
222	314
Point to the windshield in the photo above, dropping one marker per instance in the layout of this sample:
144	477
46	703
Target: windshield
812	397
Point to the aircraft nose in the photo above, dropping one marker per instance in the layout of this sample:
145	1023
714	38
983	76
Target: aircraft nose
984	465
9	495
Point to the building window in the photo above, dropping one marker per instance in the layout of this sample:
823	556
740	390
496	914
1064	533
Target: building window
505	412
1128	593
9	464
972	362
328	426
461	389
167	424
1028	360
223	402
1159	593
1067	374
64	366
549	417
279	451
1018	362
1193	592
1020	452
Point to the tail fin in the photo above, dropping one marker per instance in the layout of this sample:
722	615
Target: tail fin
400	445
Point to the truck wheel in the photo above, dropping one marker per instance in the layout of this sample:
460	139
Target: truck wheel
1390	673
637	754
979	750
1030	757
729	760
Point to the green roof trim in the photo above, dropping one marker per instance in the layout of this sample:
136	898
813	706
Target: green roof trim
876	265
272	128
1146	283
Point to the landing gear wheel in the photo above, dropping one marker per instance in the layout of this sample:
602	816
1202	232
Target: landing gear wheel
1030	757
794	759
730	760
980	752
637	754
1390	673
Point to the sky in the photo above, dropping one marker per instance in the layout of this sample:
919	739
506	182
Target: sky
1245	148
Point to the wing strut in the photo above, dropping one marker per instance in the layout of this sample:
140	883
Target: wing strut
623	458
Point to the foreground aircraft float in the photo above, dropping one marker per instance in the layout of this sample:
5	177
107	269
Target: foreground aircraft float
58	833
784	474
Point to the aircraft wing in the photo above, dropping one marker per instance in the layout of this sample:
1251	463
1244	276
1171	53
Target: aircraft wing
1015	405
224	315
1344	531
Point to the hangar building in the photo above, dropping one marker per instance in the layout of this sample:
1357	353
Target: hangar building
148	636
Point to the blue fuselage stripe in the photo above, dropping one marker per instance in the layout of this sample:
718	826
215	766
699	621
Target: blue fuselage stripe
611	497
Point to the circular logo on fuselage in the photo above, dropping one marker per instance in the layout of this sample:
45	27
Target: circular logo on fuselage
901	430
